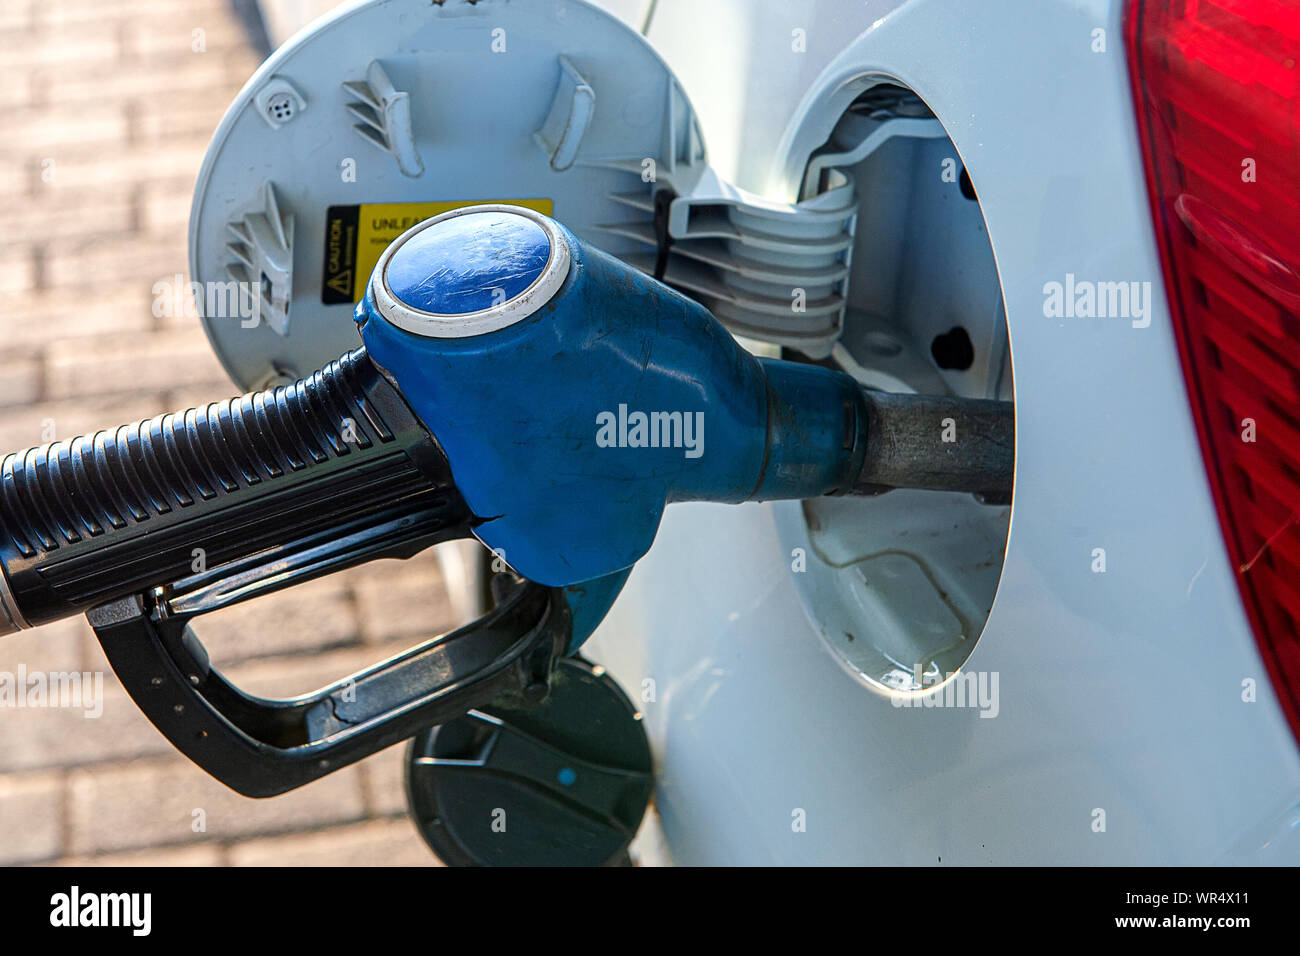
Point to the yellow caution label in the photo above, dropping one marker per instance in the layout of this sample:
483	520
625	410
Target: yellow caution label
355	237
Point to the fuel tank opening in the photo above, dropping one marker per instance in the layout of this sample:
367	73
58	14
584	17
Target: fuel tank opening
900	585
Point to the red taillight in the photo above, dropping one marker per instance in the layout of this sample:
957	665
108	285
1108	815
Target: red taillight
1217	84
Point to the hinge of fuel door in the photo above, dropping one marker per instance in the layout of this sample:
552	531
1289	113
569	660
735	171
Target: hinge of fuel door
772	270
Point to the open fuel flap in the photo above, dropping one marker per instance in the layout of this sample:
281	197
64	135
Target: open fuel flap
387	113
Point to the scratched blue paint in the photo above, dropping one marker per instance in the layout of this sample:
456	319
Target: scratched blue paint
469	263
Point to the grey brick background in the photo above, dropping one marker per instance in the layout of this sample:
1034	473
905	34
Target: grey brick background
107	111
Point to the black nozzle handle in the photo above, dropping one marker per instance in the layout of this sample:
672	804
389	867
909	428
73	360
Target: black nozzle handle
151	525
99	517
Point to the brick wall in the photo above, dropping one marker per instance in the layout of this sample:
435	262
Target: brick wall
107	110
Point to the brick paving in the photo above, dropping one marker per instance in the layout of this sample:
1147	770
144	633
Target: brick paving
107	110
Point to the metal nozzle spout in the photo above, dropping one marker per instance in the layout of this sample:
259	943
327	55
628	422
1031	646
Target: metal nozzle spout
939	444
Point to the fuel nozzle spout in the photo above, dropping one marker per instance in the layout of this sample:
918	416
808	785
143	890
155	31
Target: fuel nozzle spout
575	397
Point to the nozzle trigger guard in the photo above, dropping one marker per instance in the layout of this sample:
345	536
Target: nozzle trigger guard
262	747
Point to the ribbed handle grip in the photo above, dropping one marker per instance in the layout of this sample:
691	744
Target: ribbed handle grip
101	516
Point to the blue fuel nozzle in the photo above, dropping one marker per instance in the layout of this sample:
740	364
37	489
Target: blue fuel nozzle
575	396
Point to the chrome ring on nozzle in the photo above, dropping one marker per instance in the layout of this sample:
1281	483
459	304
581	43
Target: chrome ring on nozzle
452	325
11	619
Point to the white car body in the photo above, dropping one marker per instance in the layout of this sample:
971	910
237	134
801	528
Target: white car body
1124	692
